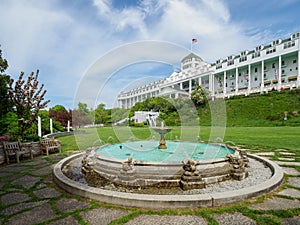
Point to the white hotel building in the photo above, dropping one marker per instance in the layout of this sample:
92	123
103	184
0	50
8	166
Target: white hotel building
266	68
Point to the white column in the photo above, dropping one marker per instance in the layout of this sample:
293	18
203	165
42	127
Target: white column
211	84
262	85
249	78
39	127
279	73
236	80
190	86
51	126
180	85
199	81
68	128
224	84
298	78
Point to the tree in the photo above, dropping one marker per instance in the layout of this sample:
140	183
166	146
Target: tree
82	115
28	99
102	115
199	96
5	103
60	114
3	63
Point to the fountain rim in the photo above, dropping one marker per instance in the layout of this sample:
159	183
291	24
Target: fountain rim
167	201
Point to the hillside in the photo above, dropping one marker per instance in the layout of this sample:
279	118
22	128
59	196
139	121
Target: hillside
259	110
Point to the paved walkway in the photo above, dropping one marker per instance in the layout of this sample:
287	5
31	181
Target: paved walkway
29	196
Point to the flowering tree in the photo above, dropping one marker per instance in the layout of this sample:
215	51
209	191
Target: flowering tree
28	99
199	96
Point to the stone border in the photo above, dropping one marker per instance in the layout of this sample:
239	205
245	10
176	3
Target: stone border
65	133
167	201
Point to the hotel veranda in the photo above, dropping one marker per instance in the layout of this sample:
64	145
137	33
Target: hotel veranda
271	67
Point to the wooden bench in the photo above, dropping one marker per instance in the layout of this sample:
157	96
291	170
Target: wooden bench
15	150
49	146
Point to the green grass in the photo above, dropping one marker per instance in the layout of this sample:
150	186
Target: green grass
258	110
263	138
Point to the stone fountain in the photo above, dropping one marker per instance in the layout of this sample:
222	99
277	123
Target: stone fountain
186	167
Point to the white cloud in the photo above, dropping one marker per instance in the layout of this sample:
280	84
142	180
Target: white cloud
218	9
104	6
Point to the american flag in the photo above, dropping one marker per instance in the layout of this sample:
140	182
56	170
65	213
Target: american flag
220	83
276	74
247	78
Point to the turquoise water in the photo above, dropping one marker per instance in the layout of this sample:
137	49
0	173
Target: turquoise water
177	151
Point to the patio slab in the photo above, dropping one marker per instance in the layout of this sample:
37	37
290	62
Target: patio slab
36	215
102	215
294	181
233	219
290	192
291	171
15	197
277	204
174	220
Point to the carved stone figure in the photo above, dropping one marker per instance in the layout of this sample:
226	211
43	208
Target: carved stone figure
128	165
190	168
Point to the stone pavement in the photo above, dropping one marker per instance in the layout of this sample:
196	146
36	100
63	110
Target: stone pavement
29	196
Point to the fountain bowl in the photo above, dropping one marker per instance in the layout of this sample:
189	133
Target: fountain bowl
157	201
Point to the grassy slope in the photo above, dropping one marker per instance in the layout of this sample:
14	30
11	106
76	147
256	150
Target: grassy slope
255	121
259	110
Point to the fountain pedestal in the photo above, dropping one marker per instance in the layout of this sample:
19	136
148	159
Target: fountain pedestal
162	131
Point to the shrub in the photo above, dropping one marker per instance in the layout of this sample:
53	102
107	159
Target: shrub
4	139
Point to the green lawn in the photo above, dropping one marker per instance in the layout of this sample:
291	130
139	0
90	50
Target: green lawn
264	138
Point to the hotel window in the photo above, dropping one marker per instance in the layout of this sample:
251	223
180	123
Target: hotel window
295	61
255	69
255	78
271	50
265	75
240	74
231	62
297	68
282	71
273	65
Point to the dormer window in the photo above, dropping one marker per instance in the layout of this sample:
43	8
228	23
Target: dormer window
295	36
276	42
259	48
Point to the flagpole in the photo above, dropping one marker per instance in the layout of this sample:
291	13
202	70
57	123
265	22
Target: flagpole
193	41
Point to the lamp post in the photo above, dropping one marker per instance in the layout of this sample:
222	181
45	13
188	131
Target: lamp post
39	126
51	126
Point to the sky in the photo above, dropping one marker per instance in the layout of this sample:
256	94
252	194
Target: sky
90	50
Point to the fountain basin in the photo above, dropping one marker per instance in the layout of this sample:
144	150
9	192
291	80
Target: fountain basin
187	165
166	201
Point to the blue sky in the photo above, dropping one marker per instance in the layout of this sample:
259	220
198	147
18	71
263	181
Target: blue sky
64	39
